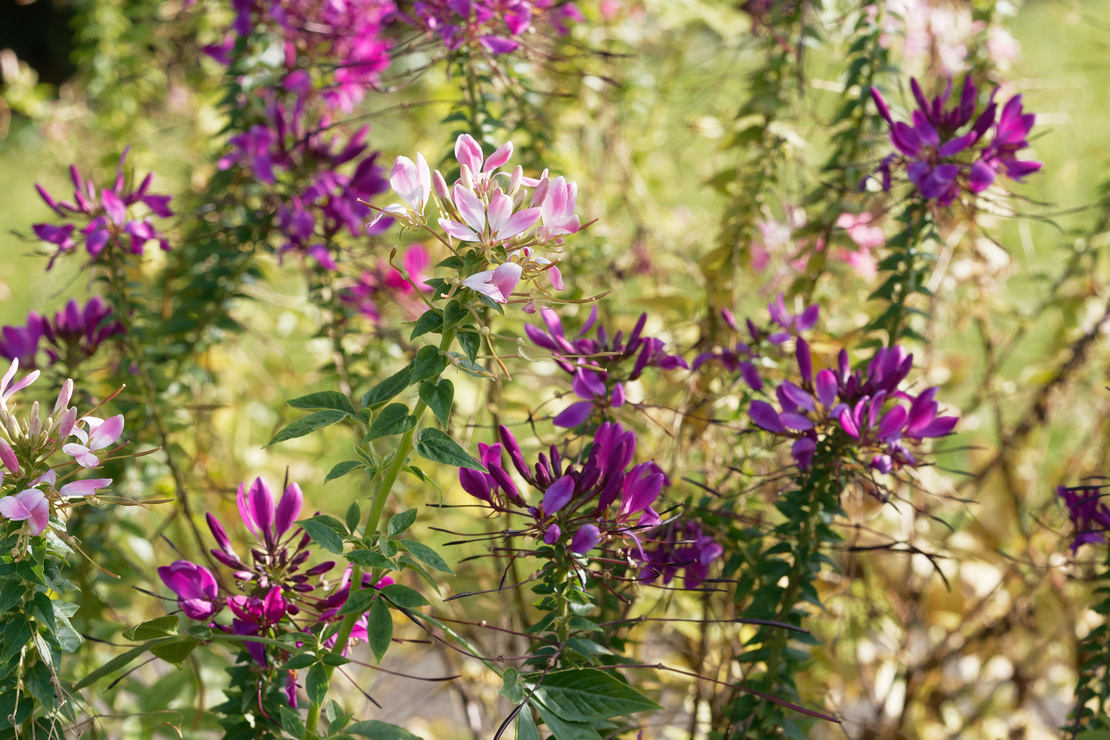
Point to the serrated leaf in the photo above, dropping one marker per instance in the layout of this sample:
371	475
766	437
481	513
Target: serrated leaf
429	321
307	425
379	628
323	535
400	522
438	395
388	388
429	363
376	730
341	469
403	596
316	683
159	627
426	555
393	419
434	445
590	695
324	400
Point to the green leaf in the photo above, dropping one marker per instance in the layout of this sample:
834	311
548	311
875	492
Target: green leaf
11	594
324	400
590	695
316	683
379	628
307	425
388	388
562	729
291	722
471	342
453	313
358	602
298	662
511	687
403	596
159	627
426	555
429	321
341	469
38	682
438	395
525	725
15	638
323	535
334	660
369	559
429	363
1094	735
400	522
42	609
376	730
394	419
176	650
353	516
434	445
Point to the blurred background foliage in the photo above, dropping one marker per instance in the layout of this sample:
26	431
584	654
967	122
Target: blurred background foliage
955	609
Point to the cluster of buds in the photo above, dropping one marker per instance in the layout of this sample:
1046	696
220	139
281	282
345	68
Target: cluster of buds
595	363
941	161
1089	514
273	584
492	210
496	25
109	224
73	335
866	410
28	480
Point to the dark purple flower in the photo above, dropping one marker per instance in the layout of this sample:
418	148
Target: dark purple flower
22	342
678	546
76	333
195	587
1088	513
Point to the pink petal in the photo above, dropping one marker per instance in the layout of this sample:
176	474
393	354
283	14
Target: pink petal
85	487
468	152
458	231
470	208
498	158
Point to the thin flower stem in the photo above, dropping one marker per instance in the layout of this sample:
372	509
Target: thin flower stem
381	496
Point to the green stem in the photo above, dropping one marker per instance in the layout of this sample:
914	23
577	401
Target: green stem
373	519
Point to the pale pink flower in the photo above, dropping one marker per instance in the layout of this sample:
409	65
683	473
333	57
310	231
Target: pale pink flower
412	181
557	210
5	391
497	284
102	433
29	504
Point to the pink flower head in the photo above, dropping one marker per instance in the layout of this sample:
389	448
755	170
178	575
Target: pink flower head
28	504
102	433
412	182
497	284
256	507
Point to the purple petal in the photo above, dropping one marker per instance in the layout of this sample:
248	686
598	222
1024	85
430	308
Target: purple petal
558	495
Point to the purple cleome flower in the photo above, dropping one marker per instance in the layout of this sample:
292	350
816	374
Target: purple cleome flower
679	546
1089	514
22	342
76	333
110	224
940	160
595	363
496	25
867	407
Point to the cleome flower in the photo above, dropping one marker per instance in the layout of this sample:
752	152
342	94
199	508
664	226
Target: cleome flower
946	151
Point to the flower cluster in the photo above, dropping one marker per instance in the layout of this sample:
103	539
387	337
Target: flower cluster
110	225
1089	514
743	356
73	336
495	25
28	480
941	161
679	545
391	282
343	37
273	584
595	363
492	210
863	410
331	202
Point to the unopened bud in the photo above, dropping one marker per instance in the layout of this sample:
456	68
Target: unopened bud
440	186
466	178
63	397
514	179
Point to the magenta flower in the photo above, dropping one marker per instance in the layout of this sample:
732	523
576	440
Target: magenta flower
22	342
1089	514
498	284
76	333
195	587
678	546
